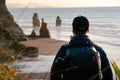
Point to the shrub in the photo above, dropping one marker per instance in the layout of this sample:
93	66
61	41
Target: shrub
6	72
117	70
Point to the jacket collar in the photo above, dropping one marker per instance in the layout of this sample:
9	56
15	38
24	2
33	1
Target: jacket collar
80	40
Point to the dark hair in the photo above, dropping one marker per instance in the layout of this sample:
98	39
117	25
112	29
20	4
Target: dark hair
80	25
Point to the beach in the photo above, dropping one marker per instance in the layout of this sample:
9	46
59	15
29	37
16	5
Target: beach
104	31
45	46
38	68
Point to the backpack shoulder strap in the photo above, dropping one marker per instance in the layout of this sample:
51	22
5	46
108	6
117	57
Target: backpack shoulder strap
67	51
98	58
99	61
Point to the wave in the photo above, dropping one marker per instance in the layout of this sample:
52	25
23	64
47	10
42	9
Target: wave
105	40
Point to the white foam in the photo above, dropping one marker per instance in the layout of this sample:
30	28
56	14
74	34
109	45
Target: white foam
40	64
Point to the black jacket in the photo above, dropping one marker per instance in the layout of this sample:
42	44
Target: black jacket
57	69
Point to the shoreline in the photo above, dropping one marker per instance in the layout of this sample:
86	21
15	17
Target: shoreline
42	64
45	46
47	49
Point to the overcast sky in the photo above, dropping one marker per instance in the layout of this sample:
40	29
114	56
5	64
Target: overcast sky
63	3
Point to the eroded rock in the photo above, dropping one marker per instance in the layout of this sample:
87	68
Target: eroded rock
33	34
58	21
35	19
6	19
44	32
31	52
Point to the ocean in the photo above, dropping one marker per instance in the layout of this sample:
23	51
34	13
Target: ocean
104	30
104	24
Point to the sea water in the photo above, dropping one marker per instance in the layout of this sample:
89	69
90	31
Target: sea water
104	25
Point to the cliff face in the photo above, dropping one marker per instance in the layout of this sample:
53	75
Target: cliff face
7	20
9	46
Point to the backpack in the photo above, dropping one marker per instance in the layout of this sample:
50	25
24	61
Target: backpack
82	63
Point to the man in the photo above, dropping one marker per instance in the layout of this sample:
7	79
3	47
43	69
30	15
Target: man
60	69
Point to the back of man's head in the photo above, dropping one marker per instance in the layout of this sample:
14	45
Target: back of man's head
80	25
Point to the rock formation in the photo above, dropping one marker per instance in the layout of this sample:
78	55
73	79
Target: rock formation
58	21
35	19
33	34
31	52
6	54
6	19
9	46
44	32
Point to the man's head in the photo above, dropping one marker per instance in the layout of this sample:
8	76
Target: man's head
80	25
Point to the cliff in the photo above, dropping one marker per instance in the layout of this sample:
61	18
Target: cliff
7	20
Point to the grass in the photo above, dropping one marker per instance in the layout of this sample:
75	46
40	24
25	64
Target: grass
116	68
8	73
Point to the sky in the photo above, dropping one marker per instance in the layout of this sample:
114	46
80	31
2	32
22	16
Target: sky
62	3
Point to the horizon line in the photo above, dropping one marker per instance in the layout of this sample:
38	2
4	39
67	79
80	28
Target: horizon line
69	7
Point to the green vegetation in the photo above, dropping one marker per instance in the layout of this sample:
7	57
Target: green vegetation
117	70
9	49
7	73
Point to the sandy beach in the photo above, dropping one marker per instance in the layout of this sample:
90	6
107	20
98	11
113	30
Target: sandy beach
25	18
38	68
45	46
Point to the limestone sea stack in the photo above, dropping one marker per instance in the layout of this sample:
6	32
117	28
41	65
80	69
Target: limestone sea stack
33	34
44	32
35	20
58	21
6	19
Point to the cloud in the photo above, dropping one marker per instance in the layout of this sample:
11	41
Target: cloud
62	3
14	5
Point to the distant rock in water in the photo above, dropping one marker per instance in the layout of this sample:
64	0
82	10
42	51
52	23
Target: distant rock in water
33	34
35	20
44	32
6	19
58	21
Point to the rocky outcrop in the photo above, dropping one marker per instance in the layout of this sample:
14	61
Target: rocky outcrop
7	20
33	34
30	52
58	21
35	19
44	32
6	54
9	46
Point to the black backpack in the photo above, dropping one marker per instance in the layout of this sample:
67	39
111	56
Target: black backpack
82	63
